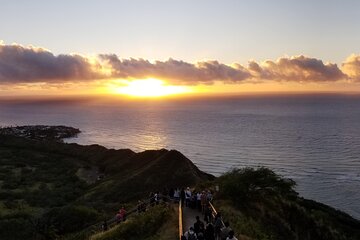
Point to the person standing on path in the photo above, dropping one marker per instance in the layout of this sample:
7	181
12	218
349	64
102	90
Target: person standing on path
208	217
104	226
203	202
231	236
190	234
218	225
198	201
182	196
187	197
198	226
225	231
209	232
122	214
177	195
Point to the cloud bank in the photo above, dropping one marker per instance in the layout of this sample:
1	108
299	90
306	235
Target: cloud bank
178	72
351	67
299	69
30	64
19	64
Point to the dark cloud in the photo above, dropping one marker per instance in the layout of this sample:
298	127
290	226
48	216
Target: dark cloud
28	64
20	64
297	69
179	72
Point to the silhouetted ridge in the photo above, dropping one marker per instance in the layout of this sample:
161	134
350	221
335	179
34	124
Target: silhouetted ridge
150	170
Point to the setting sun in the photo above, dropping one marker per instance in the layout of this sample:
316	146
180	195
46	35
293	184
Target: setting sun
149	88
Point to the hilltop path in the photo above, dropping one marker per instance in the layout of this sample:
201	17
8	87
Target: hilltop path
189	215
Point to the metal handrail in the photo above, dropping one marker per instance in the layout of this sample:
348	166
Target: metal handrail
181	232
95	228
147	202
129	213
214	212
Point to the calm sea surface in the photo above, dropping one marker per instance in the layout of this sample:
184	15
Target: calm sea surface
314	140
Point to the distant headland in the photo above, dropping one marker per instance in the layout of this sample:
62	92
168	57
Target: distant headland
41	132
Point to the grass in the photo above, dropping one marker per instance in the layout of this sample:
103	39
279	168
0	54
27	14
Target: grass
262	205
143	226
243	225
42	195
38	178
169	230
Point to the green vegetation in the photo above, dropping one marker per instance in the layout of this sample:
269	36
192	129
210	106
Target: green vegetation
246	185
170	229
52	189
144	226
262	205
36	187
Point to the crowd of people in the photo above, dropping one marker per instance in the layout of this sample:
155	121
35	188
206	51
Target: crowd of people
191	199
215	230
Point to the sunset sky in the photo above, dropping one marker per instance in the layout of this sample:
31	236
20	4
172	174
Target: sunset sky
156	48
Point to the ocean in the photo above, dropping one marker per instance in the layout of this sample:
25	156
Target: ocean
313	139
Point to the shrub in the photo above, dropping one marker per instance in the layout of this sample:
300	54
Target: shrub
10	226
70	218
244	185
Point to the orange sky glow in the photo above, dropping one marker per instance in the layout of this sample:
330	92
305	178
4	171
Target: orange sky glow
31	71
154	88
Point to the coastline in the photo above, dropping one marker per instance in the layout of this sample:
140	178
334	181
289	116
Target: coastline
55	176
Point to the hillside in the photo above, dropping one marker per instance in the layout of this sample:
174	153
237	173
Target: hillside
44	182
260	204
51	190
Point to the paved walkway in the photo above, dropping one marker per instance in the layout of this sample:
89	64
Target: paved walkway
189	217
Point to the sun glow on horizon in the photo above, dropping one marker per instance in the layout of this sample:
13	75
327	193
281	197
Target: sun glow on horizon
148	88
